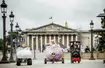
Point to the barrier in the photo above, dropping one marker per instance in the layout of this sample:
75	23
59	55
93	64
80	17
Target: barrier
96	55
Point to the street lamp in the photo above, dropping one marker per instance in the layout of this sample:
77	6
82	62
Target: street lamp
3	7
34	52
19	34
11	20
4	10
17	28
91	26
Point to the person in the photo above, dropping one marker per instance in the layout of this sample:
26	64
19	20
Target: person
75	46
23	45
43	48
19	44
79	45
87	49
54	44
82	49
71	47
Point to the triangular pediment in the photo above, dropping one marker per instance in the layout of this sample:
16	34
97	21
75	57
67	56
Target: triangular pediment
51	27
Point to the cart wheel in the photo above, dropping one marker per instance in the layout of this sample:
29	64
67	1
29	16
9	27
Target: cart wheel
72	61
103	61
29	61
78	61
45	61
18	62
62	60
53	61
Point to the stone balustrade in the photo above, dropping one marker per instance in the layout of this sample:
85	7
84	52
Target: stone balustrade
87	55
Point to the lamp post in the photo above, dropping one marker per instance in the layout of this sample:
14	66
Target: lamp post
34	52
4	10
17	28
19	34
102	15
11	20
91	26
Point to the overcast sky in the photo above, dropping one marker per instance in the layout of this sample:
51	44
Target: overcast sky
34	13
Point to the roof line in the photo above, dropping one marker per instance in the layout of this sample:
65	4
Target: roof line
50	24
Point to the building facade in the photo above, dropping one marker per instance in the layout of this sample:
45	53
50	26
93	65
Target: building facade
37	37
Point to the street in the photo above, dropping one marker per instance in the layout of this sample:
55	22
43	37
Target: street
39	63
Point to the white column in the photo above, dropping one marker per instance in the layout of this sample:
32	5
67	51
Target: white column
59	38
36	42
45	39
71	37
41	43
27	41
32	42
67	40
76	38
63	40
49	39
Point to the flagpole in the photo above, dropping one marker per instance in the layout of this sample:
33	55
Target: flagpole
51	18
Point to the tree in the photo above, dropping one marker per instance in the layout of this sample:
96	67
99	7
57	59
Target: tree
14	34
9	36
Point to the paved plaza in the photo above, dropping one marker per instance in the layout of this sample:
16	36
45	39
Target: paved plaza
39	63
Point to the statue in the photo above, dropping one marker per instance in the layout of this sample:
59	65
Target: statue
101	45
102	22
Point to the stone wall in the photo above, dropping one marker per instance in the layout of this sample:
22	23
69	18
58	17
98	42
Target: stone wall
96	55
87	55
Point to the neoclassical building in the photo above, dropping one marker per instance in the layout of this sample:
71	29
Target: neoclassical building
39	36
